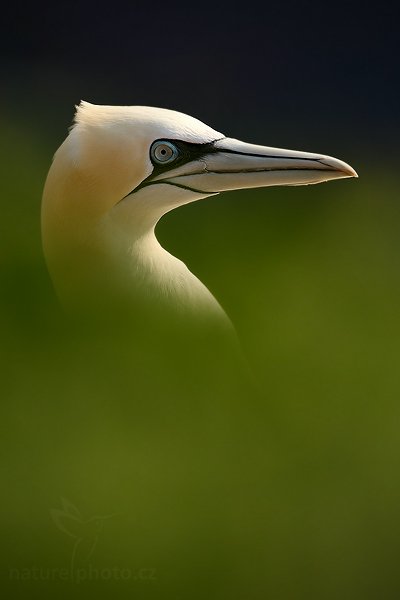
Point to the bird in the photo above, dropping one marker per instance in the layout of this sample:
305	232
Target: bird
121	169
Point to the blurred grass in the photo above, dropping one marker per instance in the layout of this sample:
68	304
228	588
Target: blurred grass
288	491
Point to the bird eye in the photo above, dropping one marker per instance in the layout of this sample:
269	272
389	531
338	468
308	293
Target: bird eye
163	152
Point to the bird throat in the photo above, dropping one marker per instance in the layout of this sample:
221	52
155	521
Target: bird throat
157	277
112	270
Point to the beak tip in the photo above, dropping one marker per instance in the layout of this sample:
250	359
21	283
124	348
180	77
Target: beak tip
343	169
351	172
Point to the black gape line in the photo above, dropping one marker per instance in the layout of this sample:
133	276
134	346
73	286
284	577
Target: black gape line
189	151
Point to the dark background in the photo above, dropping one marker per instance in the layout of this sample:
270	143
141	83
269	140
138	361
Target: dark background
292	491
289	73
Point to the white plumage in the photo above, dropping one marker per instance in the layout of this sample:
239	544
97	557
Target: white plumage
119	171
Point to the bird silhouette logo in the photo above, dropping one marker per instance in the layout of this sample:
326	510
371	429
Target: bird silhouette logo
84	531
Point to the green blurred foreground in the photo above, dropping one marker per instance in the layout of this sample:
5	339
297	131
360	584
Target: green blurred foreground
149	473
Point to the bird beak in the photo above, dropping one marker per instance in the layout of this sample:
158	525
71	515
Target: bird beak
232	164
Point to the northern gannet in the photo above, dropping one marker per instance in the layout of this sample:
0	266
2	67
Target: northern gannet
120	169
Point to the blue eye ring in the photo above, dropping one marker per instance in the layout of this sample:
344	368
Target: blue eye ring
163	152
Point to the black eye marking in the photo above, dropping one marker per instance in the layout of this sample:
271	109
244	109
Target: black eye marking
186	152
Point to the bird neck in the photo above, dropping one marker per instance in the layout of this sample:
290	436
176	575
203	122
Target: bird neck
145	267
112	266
150	272
95	255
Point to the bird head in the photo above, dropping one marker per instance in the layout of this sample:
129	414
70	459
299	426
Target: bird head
122	167
145	161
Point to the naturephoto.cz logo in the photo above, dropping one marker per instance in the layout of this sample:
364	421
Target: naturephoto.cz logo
84	534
